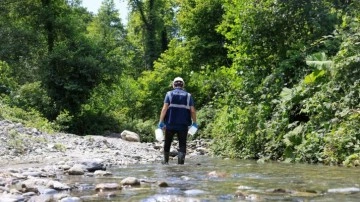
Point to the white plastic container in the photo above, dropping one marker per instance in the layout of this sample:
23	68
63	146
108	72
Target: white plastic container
192	130
159	135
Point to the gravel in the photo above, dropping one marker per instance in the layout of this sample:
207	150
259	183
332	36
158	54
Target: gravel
20	146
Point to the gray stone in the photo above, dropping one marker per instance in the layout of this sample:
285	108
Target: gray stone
163	184
70	199
11	198
193	192
347	190
107	186
47	191
58	185
41	198
32	174
102	173
77	169
32	184
132	181
94	164
130	136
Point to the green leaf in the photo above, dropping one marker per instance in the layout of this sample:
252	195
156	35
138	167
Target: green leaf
319	61
311	78
286	94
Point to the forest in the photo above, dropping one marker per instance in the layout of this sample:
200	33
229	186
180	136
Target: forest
273	80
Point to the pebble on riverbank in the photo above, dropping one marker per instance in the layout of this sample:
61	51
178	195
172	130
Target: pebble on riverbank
33	162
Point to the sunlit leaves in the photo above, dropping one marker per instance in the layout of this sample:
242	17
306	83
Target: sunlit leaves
286	94
321	65
311	78
108	33
294	137
7	83
150	29
319	61
198	21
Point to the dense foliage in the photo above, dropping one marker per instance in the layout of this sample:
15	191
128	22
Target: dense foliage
272	79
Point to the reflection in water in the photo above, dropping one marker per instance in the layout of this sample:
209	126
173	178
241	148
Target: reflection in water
213	179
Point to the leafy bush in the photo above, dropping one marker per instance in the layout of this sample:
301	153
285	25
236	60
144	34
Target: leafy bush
205	117
352	160
31	118
63	121
236	132
7	82
16	142
33	96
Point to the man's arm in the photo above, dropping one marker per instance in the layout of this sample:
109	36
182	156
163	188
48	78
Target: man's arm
163	111
193	114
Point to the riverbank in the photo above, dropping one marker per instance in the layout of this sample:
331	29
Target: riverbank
30	154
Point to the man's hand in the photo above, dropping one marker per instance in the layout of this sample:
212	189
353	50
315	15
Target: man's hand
161	125
195	125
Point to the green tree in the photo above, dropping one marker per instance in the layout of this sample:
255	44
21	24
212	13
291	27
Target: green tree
73	66
194	54
7	83
150	29
21	45
109	34
204	53
198	21
268	42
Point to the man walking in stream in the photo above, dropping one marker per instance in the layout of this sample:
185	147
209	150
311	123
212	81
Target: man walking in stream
177	114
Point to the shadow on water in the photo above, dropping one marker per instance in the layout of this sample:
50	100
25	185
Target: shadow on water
212	179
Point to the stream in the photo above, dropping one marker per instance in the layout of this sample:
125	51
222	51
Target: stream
206	179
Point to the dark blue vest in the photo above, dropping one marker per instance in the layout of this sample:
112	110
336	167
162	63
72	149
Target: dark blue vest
178	113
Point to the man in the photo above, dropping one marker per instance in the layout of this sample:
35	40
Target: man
177	114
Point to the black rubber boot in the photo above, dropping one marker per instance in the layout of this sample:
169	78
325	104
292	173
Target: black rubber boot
181	158
166	158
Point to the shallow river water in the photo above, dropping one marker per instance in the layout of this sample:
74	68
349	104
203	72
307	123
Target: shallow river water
208	179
